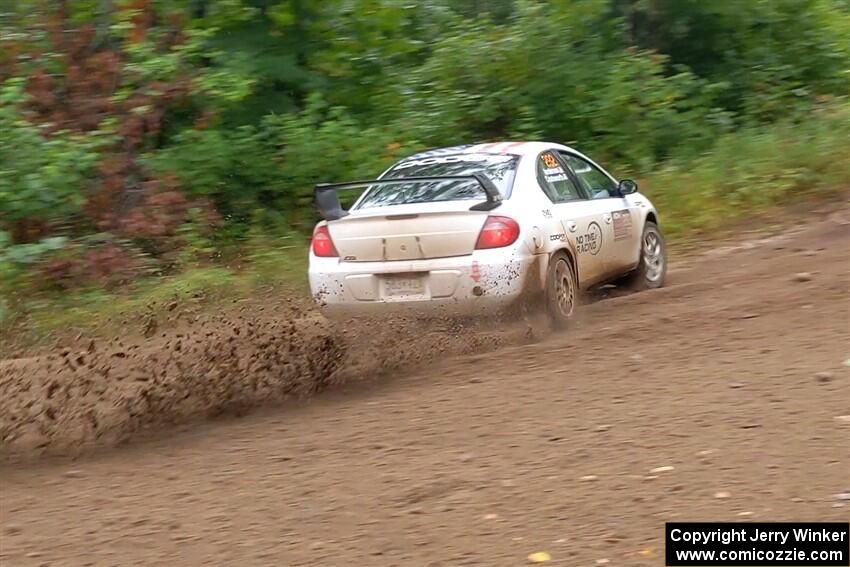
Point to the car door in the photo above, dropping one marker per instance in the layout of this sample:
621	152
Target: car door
618	214
580	218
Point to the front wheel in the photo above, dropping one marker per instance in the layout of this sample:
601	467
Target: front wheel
652	268
561	290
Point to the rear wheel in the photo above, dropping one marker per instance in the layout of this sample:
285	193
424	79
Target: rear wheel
652	268
561	290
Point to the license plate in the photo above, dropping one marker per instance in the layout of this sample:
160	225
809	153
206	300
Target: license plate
404	286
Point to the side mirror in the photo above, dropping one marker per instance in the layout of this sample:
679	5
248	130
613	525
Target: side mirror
627	187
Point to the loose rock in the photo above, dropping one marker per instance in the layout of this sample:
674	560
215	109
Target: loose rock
824	376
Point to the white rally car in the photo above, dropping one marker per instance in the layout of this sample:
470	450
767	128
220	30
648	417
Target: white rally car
478	229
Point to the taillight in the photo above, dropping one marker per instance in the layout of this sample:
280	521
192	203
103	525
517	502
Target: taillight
322	244
497	232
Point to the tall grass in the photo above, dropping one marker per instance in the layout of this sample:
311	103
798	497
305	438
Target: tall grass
264	266
753	171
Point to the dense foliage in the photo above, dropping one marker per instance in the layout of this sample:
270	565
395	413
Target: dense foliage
133	130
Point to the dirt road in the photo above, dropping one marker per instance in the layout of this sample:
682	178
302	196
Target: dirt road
719	397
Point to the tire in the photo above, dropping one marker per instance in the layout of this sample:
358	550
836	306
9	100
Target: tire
562	291
652	267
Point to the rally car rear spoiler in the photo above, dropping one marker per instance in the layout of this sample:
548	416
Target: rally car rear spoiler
327	199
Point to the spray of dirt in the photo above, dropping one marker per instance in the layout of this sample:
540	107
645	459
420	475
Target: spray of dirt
69	400
103	392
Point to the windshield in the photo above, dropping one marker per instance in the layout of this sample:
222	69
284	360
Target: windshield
499	168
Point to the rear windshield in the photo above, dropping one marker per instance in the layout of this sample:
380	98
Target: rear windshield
499	168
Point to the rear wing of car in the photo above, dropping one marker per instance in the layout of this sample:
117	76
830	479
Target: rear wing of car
327	199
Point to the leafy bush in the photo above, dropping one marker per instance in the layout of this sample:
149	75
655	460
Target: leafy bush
42	179
771	57
630	106
232	168
16	263
323	145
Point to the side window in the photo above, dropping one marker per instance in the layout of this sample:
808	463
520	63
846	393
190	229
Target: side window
555	181
596	183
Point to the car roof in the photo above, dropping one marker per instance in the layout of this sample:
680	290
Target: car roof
519	148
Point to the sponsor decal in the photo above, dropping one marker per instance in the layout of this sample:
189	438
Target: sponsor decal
549	160
622	224
547	214
554	174
511	146
488	147
562	237
591	241
457	158
442	152
475	272
552	170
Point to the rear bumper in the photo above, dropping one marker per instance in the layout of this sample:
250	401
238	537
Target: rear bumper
484	282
